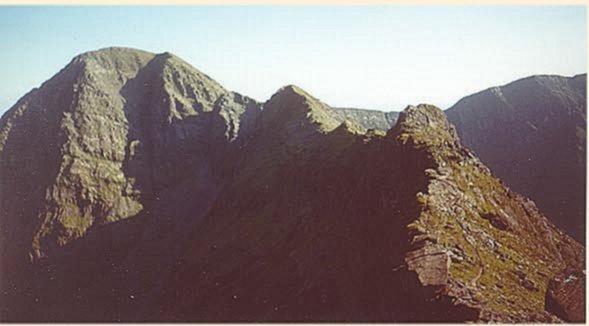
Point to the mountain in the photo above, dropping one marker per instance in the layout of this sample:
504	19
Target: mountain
135	188
112	151
532	134
369	119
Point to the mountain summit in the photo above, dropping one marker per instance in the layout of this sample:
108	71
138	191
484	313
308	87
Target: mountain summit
133	188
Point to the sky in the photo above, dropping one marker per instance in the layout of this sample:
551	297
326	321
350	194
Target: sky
374	57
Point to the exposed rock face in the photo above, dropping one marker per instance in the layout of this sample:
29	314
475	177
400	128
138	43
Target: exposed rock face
486	271
130	125
431	265
566	296
117	134
164	197
369	119
531	133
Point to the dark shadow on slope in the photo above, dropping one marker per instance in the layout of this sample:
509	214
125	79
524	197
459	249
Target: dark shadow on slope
29	164
316	234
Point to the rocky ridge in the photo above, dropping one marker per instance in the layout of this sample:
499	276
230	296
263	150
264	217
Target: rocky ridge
182	201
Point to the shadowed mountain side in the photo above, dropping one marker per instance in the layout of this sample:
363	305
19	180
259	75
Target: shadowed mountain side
366	228
531	133
305	240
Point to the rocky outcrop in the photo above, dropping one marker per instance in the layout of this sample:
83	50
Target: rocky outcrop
485	271
531	134
565	296
431	265
164	197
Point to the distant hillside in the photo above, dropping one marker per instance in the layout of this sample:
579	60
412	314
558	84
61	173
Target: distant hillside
370	119
532	134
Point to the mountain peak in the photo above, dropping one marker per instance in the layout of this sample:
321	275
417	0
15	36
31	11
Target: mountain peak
114	55
291	92
114	51
291	103
293	89
425	123
130	94
127	62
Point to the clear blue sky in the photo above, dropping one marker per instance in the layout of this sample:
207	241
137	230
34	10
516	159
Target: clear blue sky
381	57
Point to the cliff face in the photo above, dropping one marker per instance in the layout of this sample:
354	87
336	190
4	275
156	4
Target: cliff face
121	127
111	151
369	119
532	134
160	196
